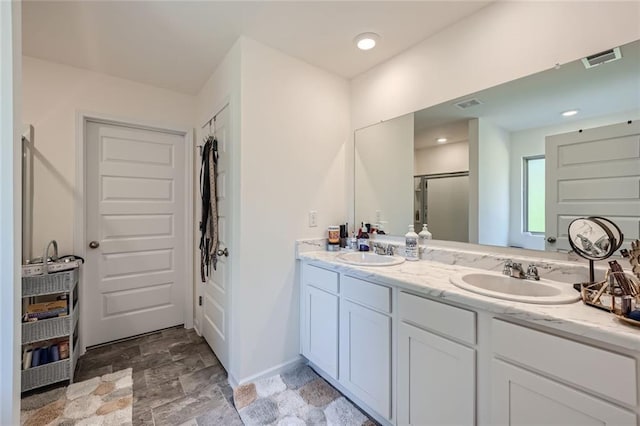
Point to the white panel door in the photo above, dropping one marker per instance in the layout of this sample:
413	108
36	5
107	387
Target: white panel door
320	325
595	172
215	308
365	355
135	220
522	398
436	379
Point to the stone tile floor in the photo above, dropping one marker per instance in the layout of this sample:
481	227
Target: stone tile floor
176	378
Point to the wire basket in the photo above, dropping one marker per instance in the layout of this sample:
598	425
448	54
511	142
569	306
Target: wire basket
57	282
46	374
47	328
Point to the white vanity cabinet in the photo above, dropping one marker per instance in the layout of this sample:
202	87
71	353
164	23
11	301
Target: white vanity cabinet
558	381
319	318
366	343
436	375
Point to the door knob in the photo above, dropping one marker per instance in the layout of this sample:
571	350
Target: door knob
224	252
94	244
551	240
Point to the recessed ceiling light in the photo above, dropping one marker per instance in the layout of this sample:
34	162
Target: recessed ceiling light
366	41
570	113
441	140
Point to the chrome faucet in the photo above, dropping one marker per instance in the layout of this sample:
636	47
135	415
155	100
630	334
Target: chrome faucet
379	248
515	270
532	272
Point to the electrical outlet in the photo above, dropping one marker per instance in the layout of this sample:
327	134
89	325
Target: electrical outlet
313	219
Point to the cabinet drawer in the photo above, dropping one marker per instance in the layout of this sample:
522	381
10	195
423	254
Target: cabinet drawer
439	317
598	370
370	294
320	278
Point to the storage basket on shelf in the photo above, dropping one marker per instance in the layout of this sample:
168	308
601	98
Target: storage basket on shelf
45	374
58	282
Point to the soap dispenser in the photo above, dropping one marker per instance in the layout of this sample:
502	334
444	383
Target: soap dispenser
424	235
411	245
363	239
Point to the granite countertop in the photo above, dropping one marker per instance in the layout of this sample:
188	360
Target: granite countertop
431	278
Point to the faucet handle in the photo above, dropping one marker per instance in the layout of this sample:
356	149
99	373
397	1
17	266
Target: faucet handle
532	272
508	264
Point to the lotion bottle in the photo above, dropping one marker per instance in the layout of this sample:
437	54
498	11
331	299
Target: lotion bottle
411	245
424	235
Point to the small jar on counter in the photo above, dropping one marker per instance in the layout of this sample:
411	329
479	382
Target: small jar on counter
333	240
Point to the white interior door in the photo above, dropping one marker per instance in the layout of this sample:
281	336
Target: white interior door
595	172
215	308
135	221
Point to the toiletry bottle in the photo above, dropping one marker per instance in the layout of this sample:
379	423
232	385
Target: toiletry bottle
352	242
424	235
363	239
411	245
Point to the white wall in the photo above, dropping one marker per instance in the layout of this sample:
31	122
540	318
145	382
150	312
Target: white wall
53	94
294	130
10	207
530	142
501	42
491	181
445	158
384	174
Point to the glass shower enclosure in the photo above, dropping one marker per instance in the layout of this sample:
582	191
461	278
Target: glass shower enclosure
442	202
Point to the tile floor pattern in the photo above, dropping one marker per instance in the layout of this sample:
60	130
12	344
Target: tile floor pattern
176	378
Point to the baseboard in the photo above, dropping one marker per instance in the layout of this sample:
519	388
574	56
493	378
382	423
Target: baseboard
285	366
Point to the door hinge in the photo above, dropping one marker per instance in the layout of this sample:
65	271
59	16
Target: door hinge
199	300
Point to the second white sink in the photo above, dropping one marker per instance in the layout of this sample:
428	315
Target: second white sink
543	292
364	258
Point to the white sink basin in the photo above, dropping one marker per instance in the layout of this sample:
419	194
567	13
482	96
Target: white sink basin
543	292
364	258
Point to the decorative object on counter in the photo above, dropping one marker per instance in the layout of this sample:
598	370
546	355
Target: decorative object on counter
597	238
363	238
594	238
633	256
617	293
411	251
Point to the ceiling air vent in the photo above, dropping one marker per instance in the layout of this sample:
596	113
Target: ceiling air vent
468	103
602	58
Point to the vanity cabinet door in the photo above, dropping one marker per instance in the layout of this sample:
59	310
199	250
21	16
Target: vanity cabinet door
520	397
436	379
365	355
320	329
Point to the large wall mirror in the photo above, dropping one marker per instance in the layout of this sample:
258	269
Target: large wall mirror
512	165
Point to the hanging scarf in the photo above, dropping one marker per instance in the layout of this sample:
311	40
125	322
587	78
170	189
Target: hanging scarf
209	196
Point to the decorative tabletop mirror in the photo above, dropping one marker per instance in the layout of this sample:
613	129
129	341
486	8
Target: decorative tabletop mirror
594	238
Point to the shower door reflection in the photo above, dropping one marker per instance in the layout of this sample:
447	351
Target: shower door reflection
442	202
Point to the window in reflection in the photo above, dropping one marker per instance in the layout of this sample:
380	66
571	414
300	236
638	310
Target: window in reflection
534	184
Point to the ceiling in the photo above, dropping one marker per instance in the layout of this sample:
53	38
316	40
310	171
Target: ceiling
538	100
178	44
